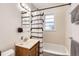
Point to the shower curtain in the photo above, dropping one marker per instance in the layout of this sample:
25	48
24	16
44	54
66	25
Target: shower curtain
37	28
75	15
74	48
74	43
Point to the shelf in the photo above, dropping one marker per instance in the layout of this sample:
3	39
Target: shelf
25	16
36	32
38	15
36	37
37	28
37	19
37	23
25	24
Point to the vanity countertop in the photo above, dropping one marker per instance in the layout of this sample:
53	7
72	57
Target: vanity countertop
28	44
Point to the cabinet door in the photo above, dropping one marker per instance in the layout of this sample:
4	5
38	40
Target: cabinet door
35	50
21	51
32	52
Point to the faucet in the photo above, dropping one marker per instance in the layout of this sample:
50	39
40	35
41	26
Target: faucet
25	39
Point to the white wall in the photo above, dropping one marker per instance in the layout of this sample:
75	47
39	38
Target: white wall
58	36
10	20
68	28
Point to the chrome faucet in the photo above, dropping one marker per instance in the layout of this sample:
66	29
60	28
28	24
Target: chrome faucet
25	39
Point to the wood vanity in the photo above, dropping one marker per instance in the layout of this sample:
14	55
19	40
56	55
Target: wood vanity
29	48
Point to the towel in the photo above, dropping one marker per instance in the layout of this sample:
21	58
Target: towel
75	15
74	48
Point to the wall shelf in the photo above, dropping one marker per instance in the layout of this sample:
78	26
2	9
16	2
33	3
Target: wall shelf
25	24
36	37
37	28
37	23
37	19
37	32
38	15
25	16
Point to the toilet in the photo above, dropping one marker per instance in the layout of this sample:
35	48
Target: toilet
9	52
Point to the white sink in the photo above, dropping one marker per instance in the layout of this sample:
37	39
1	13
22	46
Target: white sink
28	44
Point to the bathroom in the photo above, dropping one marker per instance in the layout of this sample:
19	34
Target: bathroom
55	41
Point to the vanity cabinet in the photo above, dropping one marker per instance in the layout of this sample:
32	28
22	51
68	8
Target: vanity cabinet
24	51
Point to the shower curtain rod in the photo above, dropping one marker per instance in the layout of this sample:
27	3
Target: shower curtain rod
45	8
23	7
51	7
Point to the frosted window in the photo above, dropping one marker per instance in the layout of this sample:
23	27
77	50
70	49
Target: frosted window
49	23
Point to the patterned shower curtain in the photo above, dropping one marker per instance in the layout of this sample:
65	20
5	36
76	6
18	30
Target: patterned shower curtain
37	28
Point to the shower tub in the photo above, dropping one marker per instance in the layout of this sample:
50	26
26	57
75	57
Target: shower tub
50	49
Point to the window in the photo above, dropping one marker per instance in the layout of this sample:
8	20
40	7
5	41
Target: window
49	23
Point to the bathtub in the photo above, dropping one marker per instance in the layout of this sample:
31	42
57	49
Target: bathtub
54	50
